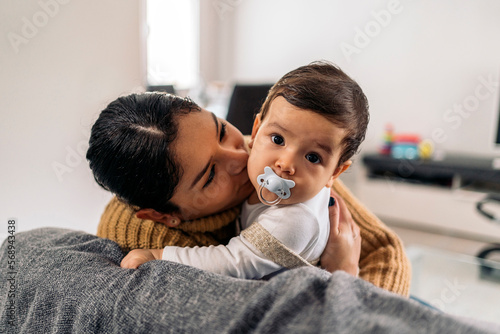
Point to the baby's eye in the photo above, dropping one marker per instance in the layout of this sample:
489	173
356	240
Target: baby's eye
313	157
277	139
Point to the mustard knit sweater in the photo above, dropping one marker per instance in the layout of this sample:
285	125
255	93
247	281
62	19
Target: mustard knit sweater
383	261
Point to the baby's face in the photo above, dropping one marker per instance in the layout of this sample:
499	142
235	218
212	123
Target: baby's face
298	145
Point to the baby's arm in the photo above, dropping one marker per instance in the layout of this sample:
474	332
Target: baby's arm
238	259
296	227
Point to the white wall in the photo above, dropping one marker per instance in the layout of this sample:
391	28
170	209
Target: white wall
419	62
217	34
54	81
84	54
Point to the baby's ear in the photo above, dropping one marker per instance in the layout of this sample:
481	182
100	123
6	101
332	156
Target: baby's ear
255	129
339	170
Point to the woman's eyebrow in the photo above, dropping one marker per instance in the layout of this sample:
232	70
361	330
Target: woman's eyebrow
204	170
216	121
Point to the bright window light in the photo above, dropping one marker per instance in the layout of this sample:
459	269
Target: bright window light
173	43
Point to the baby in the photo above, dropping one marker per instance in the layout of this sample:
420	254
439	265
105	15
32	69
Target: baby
311	124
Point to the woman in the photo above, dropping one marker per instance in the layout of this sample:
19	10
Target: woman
127	155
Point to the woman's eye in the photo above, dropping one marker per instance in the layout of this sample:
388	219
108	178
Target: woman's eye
211	176
314	158
277	139
222	131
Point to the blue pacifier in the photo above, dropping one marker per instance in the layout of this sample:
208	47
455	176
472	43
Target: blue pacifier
274	184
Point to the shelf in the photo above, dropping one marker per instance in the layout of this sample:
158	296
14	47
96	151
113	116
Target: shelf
477	174
431	195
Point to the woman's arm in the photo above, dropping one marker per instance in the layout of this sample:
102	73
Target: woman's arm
344	243
383	261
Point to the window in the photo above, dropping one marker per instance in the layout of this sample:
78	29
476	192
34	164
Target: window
173	43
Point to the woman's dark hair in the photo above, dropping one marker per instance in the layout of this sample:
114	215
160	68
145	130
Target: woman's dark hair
323	88
130	148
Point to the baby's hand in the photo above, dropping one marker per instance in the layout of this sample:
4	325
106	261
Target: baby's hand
137	257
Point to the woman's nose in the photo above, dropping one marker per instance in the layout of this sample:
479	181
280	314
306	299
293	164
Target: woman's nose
235	160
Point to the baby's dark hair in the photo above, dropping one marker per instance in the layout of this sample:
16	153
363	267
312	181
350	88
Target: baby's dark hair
130	148
325	89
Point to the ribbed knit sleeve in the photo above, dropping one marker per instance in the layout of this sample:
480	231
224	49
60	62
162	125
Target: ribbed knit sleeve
383	260
119	223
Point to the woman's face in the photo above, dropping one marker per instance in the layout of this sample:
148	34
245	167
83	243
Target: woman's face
212	155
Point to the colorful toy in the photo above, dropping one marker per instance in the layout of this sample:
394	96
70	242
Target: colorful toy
405	145
386	147
425	149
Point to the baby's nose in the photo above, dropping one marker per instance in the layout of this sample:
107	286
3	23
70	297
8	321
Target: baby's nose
286	164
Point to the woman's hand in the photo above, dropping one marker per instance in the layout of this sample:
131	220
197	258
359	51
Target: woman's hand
344	243
136	257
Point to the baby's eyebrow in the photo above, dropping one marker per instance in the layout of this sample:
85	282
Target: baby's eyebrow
326	148
279	126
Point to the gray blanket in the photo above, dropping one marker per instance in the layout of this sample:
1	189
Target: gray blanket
64	281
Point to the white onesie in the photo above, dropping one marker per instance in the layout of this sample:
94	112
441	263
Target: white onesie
304	228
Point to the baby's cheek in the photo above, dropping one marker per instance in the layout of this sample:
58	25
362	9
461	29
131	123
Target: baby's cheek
299	194
251	172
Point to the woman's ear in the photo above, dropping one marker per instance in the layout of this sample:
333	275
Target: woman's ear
169	219
339	170
255	129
